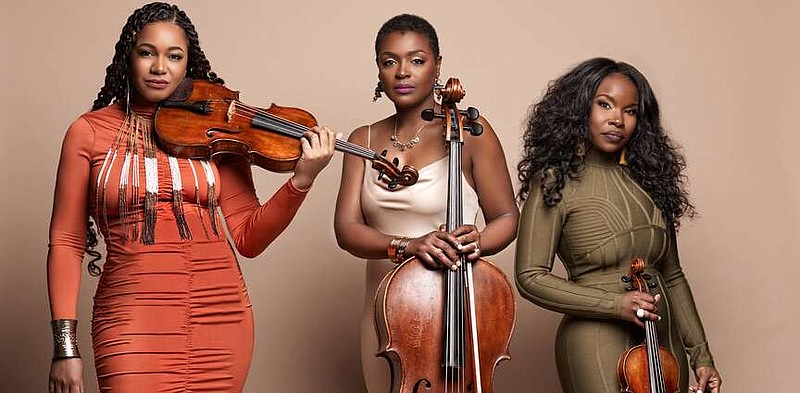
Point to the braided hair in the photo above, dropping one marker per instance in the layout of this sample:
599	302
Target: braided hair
557	137
117	80
118	72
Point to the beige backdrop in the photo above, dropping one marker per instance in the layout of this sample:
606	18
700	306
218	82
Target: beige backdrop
726	74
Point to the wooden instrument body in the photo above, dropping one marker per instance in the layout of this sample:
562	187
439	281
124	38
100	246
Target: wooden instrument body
410	309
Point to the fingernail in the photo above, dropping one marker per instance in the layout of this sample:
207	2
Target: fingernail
659	317
460	247
454	267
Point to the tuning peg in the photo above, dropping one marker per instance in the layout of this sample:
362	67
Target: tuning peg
392	185
471	113
429	114
647	276
626	279
383	153
651	285
474	129
396	161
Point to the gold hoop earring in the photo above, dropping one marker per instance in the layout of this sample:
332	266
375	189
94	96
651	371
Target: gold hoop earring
378	91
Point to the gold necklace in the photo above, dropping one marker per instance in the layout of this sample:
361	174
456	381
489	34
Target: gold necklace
407	145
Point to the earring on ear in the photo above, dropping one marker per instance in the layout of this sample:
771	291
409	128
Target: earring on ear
378	91
127	96
622	159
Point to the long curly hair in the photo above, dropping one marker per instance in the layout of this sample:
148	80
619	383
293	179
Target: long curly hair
557	137
117	80
118	72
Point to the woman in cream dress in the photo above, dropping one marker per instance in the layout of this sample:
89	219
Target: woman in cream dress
372	220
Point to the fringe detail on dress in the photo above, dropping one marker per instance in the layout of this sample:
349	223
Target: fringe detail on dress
197	197
151	187
140	154
212	196
177	199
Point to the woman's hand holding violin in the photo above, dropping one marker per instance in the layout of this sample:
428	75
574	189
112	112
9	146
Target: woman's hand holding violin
638	306
318	147
66	376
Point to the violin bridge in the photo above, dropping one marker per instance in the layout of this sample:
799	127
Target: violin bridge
231	111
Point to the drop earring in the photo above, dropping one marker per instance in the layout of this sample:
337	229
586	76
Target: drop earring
378	91
127	96
623	160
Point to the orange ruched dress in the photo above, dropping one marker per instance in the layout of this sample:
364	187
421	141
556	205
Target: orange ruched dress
174	315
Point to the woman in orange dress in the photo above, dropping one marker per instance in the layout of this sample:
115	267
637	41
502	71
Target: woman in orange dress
171	311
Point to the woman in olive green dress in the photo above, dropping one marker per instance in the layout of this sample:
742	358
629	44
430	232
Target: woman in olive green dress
603	184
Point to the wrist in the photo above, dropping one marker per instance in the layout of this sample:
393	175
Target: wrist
301	183
397	249
65	338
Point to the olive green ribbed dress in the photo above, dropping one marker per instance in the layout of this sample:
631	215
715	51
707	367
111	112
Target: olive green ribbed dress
603	221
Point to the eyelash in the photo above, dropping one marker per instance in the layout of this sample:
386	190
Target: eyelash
147	53
391	62
605	105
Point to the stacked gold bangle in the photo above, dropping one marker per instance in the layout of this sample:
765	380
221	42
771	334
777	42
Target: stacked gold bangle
65	338
397	249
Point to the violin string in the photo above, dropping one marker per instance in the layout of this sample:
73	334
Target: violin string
297	133
251	110
298	129
655	361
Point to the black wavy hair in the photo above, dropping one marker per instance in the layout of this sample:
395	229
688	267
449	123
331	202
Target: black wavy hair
408	22
118	73
557	136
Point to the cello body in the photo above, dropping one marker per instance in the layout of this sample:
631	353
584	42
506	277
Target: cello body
410	309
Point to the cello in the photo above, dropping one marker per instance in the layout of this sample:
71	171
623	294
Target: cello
445	330
202	119
647	367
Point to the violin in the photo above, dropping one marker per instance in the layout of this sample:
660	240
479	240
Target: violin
445	330
647	367
202	119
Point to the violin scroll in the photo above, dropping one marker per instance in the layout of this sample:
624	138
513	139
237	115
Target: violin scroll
389	173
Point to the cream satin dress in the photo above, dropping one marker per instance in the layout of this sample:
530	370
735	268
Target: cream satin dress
410	211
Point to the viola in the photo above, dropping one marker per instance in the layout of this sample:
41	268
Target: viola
203	119
647	367
445	330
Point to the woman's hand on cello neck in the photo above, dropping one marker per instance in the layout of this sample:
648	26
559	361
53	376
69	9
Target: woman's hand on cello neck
441	250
